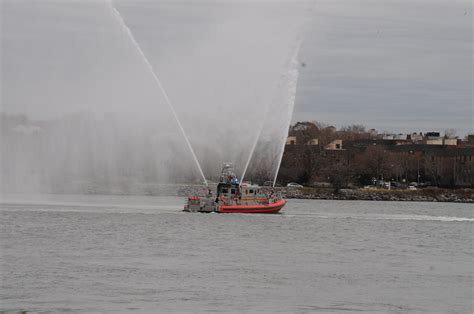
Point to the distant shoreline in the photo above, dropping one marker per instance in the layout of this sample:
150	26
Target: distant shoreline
431	194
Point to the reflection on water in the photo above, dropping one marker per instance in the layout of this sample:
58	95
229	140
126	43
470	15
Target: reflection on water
96	253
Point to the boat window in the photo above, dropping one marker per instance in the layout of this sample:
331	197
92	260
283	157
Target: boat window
232	191
251	191
225	191
246	192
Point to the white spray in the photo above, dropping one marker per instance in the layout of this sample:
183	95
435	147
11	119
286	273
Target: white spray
290	78
292	81
262	125
158	82
293	78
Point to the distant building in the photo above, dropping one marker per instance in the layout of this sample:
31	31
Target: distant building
450	141
313	141
400	137
432	135
434	141
334	145
416	137
291	140
372	132
388	137
470	139
449	166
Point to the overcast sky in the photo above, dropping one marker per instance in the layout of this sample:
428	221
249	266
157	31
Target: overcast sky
395	65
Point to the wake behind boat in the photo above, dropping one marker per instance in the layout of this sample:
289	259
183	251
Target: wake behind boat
232	196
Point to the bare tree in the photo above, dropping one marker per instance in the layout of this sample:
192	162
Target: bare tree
432	168
450	133
338	172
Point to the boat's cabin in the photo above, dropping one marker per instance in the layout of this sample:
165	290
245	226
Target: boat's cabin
244	189
249	190
244	194
230	189
227	189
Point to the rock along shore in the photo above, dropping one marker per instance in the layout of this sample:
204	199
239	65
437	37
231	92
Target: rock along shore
431	194
421	195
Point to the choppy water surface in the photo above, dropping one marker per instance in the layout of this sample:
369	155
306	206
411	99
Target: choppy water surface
101	253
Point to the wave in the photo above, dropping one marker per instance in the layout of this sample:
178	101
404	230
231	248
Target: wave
385	217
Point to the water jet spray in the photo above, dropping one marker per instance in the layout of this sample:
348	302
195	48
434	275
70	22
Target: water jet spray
120	19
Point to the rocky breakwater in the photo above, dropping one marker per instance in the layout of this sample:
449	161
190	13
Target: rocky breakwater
421	195
326	193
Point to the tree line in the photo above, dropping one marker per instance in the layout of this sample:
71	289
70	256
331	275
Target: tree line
365	158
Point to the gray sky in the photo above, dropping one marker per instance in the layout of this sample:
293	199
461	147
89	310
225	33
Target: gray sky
395	65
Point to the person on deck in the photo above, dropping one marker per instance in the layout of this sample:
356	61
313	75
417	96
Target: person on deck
222	199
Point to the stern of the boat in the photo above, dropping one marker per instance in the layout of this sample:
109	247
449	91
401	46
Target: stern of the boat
199	204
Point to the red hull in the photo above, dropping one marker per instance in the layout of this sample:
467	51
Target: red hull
254	209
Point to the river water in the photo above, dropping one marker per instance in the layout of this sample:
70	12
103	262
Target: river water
110	253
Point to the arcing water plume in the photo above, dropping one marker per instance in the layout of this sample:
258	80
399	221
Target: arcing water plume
158	82
271	138
255	142
287	83
280	86
268	148
292	80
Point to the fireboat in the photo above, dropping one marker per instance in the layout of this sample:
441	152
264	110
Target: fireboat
233	196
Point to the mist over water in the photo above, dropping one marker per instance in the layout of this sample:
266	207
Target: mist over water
230	75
